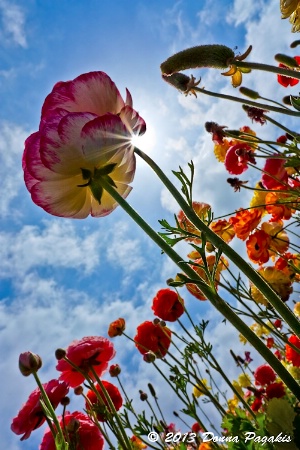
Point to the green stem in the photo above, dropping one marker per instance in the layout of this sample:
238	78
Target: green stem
219	243
214	298
248	102
268	68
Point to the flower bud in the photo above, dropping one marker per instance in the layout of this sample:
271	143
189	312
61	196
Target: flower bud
116	328
149	357
65	401
151	389
78	390
29	363
288	61
215	56
249	93
114	370
60	353
73	425
143	396
295	44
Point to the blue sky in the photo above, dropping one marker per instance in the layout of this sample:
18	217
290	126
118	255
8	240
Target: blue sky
64	279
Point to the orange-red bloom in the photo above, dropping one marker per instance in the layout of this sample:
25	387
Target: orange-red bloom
102	408
31	416
88	352
151	337
292	355
257	247
81	430
279	240
202	211
224	229
264	375
245	221
167	305
279	205
116	328
288	81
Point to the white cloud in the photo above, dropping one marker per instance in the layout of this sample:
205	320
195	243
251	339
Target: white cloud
55	244
243	11
13	23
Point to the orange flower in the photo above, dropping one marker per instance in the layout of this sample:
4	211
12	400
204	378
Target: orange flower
279	281
290	265
210	260
224	229
258	247
137	444
245	221
202	211
220	150
279	205
279	239
116	328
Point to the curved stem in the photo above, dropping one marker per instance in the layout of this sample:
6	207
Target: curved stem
214	298
218	242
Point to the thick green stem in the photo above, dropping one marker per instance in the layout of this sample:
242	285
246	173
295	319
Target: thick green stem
248	102
212	237
214	298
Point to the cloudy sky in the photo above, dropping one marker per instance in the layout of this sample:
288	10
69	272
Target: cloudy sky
64	279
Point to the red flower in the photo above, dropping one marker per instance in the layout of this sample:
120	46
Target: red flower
196	427
237	158
292	355
153	338
101	408
275	175
275	390
82	433
31	415
256	404
116	328
90	351
287	81
167	305
264	375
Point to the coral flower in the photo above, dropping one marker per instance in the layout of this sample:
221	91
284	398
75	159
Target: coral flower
279	281
167	305
81	431
237	158
102	408
288	81
224	229
258	247
279	205
292	355
89	352
31	415
137	443
245	221
154	338
202	210
279	242
116	328
84	138
264	375
275	175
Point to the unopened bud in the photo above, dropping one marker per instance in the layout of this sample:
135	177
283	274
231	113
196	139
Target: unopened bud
151	389
114	370
156	321
295	44
73	425
287	100
78	390
286	60
143	396
249	93
29	363
60	353
65	401
149	357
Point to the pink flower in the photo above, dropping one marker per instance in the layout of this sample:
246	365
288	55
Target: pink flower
90	351
31	415
84	137
82	433
237	158
102	407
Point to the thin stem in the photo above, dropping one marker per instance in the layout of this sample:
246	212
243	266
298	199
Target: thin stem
268	68
214	298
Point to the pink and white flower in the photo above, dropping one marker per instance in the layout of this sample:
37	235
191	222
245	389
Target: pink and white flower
84	135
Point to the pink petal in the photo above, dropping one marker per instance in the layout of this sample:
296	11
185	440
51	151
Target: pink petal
134	123
92	92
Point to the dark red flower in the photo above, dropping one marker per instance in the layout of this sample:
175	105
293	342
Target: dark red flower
167	305
196	427
101	408
264	375
275	175
153	338
31	415
82	433
256	404
275	390
90	351
292	355
256	114
287	81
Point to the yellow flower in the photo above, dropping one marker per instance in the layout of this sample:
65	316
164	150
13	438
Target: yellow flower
244	380
279	281
291	9
280	241
238	388
233	403
297	309
259	330
242	339
201	388
236	72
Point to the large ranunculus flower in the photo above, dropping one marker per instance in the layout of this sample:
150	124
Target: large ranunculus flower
84	136
31	415
102	408
154	338
81	431
89	352
167	305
